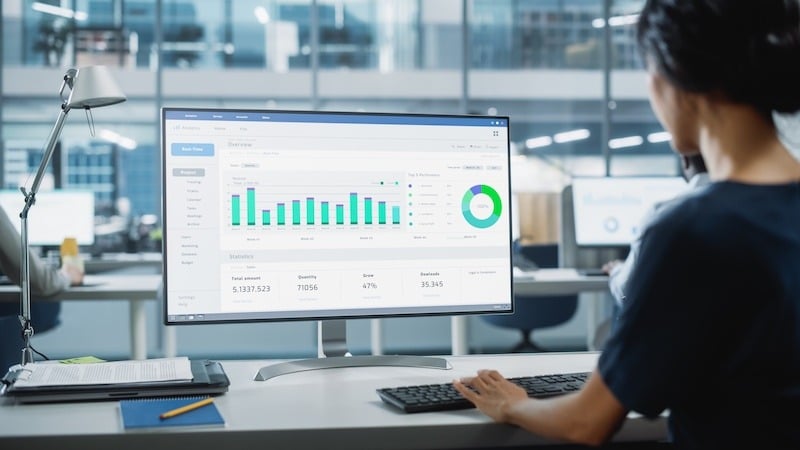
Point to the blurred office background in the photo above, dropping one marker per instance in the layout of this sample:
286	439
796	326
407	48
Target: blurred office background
567	73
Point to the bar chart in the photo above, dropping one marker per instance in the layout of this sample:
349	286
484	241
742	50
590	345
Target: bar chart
321	200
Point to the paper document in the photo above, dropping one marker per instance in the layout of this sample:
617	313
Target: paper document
117	372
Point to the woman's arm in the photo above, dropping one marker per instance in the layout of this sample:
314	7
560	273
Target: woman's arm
590	416
44	279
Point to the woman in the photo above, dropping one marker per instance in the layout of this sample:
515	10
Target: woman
711	325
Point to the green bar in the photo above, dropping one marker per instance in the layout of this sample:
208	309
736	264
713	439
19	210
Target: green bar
265	217
324	211
295	212
251	206
339	214
310	210
382	213
368	210
236	210
281	214
353	208
395	215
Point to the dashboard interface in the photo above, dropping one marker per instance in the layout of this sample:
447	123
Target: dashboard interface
292	215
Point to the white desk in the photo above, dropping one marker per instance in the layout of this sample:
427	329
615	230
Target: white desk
557	282
132	288
116	261
543	282
324	409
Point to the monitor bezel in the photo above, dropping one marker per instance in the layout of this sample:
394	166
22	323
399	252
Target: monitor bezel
338	316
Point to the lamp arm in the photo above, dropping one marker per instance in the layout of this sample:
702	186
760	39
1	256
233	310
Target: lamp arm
68	80
52	140
30	199
107	94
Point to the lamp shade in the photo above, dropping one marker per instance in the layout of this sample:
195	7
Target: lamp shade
94	87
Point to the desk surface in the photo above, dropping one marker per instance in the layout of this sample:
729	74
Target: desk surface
100	287
331	409
116	261
564	281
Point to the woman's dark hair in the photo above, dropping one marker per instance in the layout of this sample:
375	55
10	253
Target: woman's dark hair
747	50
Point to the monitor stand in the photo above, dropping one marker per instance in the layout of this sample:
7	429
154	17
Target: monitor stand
332	350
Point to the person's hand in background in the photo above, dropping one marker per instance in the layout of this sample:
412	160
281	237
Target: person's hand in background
74	273
611	265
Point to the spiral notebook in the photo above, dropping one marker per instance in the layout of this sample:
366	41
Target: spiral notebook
146	412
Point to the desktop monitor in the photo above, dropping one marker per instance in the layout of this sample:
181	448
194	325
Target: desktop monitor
301	215
608	210
55	215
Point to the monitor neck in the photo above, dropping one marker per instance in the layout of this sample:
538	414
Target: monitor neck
332	351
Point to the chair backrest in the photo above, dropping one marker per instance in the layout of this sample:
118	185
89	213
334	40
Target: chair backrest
532	312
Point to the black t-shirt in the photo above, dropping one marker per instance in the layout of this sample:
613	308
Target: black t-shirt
711	327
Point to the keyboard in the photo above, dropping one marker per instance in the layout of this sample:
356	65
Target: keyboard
444	397
594	272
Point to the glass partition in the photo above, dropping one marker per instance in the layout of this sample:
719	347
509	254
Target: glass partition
541	62
638	145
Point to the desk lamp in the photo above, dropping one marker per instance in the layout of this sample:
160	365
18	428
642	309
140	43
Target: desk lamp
89	87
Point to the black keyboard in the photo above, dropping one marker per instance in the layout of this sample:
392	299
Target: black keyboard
444	397
592	272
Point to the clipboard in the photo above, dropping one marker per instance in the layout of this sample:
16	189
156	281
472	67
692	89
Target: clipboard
208	378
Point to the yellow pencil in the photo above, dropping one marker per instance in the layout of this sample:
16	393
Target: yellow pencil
187	408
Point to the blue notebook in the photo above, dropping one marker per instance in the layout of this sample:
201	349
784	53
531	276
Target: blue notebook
145	412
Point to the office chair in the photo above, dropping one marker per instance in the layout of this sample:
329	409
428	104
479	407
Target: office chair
536	312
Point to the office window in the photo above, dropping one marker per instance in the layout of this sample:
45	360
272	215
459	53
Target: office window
93	166
637	143
538	61
137	167
535	34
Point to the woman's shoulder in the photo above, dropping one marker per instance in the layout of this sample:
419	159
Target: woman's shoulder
716	208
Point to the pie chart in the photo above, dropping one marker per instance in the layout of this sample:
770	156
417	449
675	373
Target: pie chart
481	206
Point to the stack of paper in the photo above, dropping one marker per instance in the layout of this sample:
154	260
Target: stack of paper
117	372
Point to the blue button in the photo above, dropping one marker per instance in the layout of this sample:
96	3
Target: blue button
180	149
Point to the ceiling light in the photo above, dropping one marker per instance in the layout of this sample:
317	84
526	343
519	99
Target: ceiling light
116	138
616	21
624	142
537	142
261	15
569	136
58	11
661	136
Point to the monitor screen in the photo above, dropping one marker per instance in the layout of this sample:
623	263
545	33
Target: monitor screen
55	215
608	210
299	215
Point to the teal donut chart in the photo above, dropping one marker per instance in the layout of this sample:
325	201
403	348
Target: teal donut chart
496	202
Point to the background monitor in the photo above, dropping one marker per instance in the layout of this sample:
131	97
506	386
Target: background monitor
608	210
293	215
55	215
